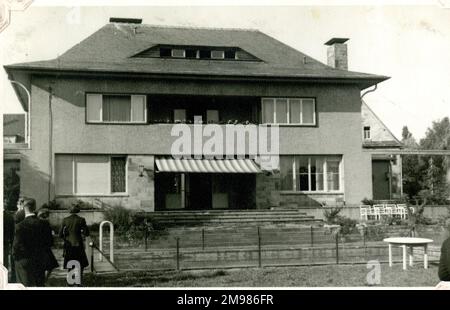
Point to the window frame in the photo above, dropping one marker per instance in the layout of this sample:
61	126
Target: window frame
131	122
222	52
289	99
325	190
177	49
110	192
366	129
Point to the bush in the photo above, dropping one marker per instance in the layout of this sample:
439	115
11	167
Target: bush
367	201
131	225
121	217
83	205
347	224
390	220
331	214
52	205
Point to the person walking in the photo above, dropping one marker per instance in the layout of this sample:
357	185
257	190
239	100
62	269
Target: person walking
444	261
50	261
8	238
19	216
73	231
30	241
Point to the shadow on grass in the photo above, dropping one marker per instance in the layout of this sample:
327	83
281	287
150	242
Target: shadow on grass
139	278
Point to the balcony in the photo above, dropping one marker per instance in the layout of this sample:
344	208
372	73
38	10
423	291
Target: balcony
210	110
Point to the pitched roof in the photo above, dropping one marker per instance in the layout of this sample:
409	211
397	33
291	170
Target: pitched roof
380	135
110	49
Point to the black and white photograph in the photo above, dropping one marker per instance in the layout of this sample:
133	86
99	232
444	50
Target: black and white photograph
225	145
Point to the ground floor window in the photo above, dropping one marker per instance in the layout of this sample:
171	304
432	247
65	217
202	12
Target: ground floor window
311	173
90	174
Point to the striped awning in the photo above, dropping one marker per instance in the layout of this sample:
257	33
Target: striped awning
207	165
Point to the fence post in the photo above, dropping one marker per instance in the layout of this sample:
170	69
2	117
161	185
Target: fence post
203	239
91	245
145	238
178	253
364	236
312	236
259	248
337	248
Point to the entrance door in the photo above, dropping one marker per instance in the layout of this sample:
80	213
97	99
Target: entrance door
200	191
381	179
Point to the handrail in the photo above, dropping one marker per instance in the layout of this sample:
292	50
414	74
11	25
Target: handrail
111	240
92	245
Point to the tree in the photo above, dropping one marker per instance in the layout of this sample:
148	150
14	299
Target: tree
436	167
412	174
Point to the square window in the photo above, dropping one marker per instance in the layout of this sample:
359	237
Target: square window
165	52
217	54
179	115
178	53
205	54
212	116
230	54
191	53
116	108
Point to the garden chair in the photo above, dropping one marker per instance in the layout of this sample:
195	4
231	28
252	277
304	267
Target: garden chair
378	211
401	209
364	211
389	209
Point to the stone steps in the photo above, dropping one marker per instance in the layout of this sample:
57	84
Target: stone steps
230	217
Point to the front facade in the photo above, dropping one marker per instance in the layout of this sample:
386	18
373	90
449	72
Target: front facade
102	118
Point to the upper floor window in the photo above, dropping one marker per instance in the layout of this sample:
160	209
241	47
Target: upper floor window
116	108
366	132
296	111
178	53
215	54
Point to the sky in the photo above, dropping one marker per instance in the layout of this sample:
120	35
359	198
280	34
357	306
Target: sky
409	43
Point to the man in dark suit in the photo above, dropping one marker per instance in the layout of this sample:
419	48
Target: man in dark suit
73	230
30	242
8	236
444	262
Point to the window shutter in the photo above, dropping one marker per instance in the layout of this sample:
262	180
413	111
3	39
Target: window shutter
94	107
92	174
138	108
64	174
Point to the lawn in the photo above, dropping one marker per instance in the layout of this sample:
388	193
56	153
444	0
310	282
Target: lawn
313	276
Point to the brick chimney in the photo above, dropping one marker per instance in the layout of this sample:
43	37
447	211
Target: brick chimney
337	53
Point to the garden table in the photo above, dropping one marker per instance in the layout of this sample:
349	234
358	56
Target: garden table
410	242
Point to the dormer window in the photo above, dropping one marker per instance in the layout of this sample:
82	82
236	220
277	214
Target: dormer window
191	53
204	54
178	53
217	54
165	52
228	53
